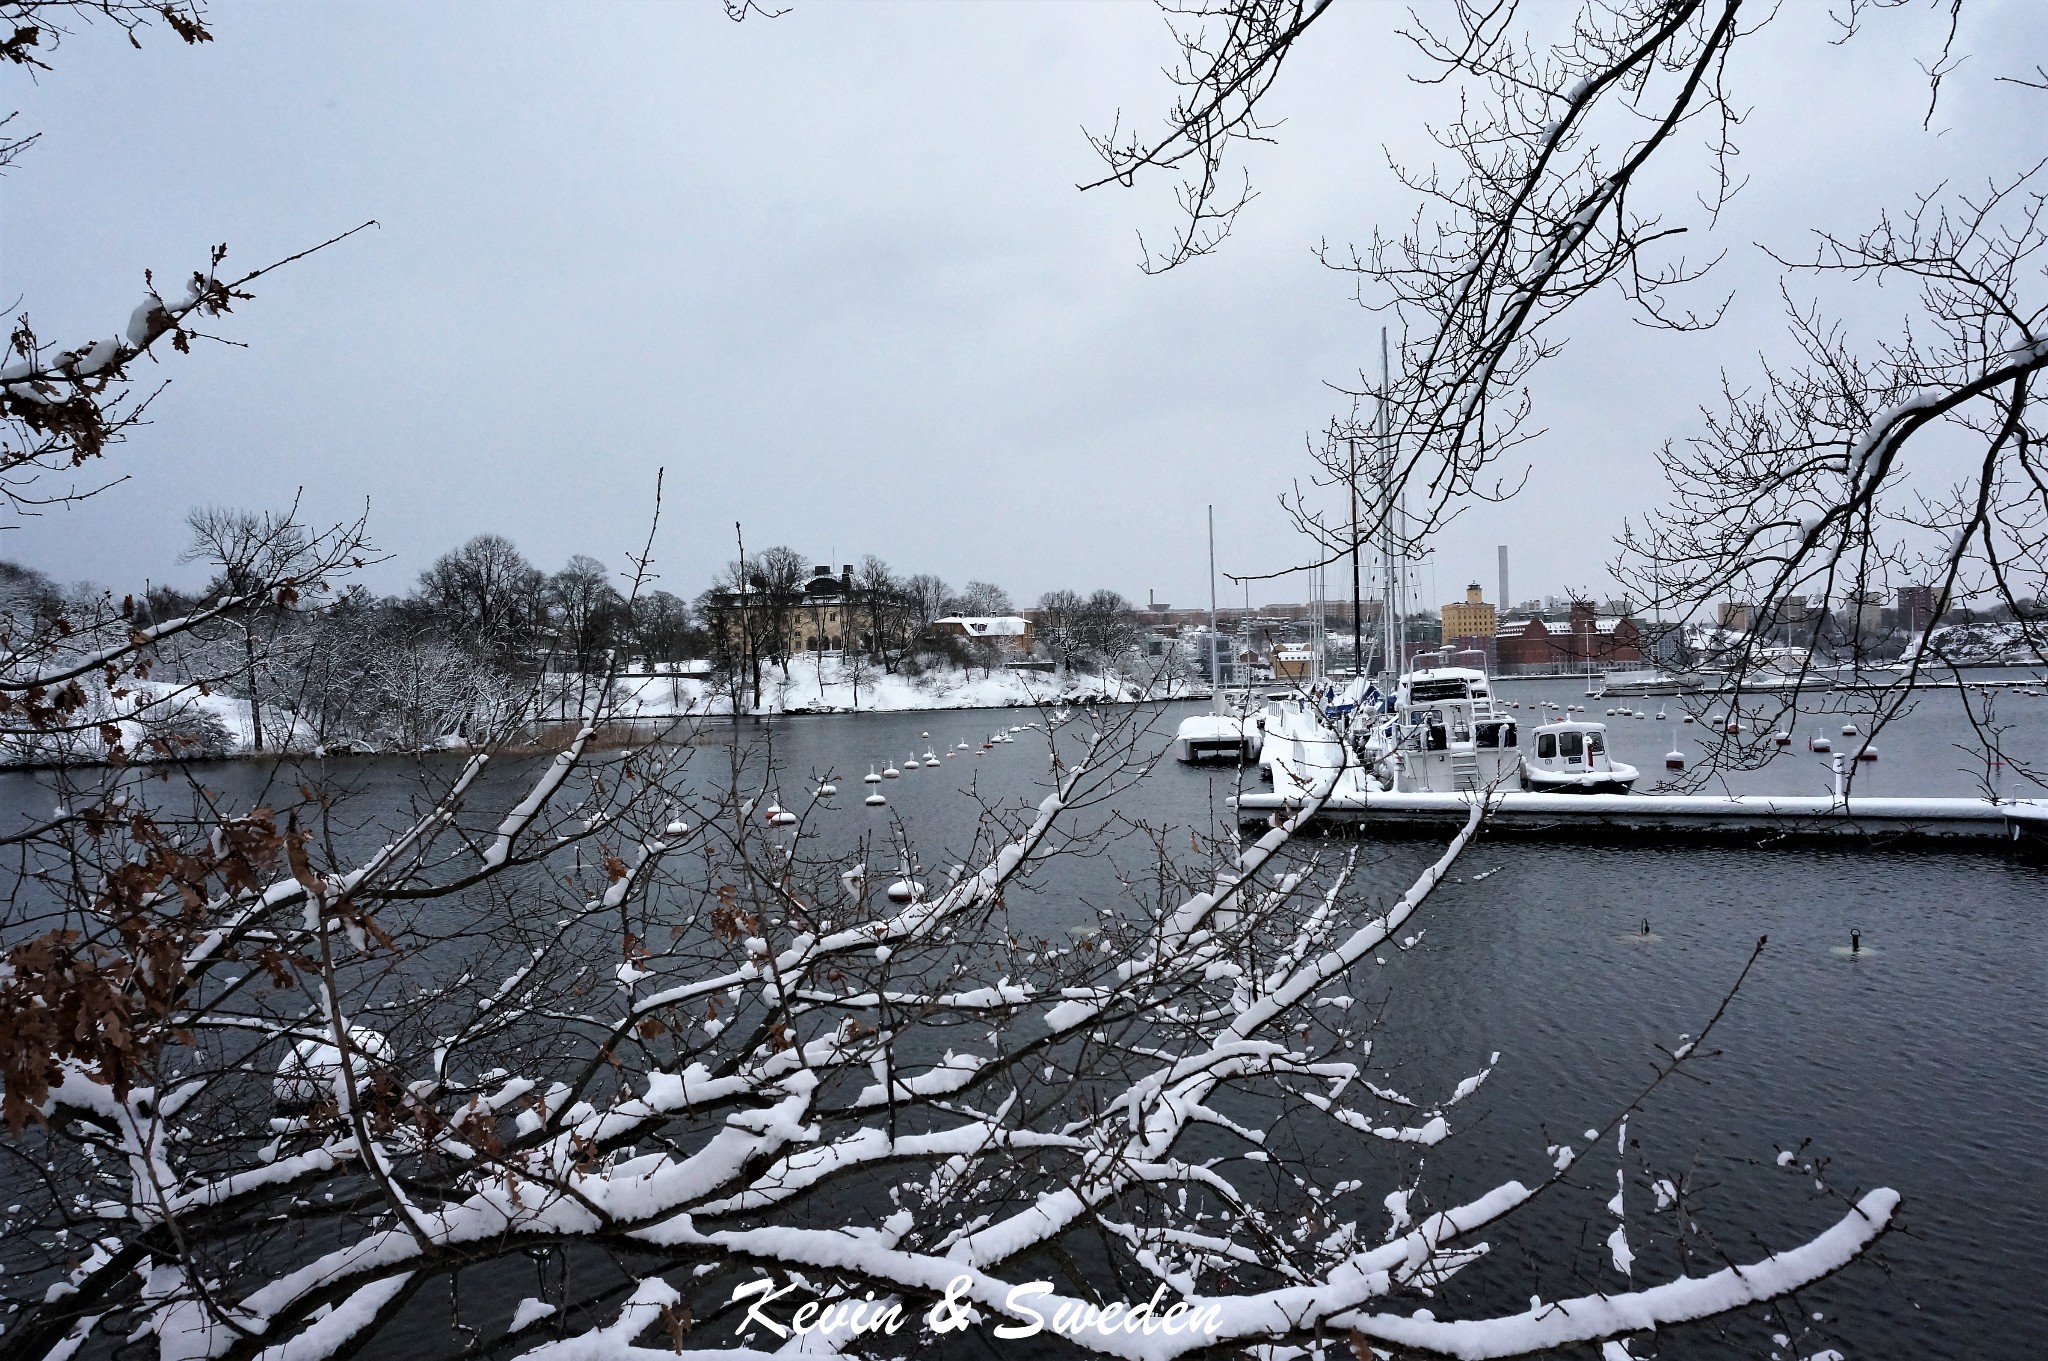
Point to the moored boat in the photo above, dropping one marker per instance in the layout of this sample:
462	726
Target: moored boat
1571	757
1235	738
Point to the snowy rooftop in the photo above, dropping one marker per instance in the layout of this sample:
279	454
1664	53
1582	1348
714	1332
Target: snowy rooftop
987	626
1514	628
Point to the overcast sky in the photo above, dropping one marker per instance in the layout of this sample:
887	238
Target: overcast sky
831	271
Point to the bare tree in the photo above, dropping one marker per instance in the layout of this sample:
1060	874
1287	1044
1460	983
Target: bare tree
929	595
776	1062
1835	479
891	609
282	1069
1108	625
981	598
588	609
1804	487
245	548
663	628
1229	56
1059	626
752	608
487	593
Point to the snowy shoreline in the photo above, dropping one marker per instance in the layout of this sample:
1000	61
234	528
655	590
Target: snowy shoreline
638	703
811	687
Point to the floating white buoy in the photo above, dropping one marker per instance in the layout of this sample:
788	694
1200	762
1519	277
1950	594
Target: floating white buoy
876	799
1688	718
1848	730
930	759
782	818
904	890
1782	738
924	734
1733	727
913	763
1868	753
1660	714
1610	713
1674	760
964	746
1819	744
827	790
871	777
890	772
773	809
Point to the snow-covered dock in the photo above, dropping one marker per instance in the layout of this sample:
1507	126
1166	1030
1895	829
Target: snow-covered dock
1752	818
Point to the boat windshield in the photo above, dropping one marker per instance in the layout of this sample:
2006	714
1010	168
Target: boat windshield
1571	743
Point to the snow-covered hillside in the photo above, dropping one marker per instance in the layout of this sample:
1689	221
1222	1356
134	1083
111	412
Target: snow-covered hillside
811	688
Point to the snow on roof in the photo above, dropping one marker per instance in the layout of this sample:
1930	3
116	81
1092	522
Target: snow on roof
1516	627
987	626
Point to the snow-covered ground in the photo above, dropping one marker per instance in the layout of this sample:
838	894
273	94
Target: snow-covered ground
180	721
175	721
1984	643
805	690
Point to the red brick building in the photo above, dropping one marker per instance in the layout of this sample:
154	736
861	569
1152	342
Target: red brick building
1585	638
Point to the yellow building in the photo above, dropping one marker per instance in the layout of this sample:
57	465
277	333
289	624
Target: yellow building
1471	617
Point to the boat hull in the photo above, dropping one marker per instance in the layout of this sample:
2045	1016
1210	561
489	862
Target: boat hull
1600	782
1217	737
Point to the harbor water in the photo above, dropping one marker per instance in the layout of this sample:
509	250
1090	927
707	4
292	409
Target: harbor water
1919	1061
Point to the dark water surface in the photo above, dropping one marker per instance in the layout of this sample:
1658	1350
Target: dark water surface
1920	1065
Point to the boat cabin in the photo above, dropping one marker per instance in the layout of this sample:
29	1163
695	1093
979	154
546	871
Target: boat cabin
1571	756
1571	746
1445	734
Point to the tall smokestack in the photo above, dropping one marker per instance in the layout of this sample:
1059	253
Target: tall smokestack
1504	601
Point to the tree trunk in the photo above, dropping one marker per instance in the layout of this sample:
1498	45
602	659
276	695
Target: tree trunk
249	669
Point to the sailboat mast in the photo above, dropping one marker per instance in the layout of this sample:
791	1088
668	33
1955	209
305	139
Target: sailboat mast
1390	601
1357	624
1215	668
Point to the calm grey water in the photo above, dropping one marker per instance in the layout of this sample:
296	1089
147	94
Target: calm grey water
1922	1065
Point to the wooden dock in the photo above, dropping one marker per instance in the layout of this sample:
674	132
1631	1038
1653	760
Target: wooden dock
1751	819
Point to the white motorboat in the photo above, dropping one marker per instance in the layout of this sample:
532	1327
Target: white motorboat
1235	738
1231	731
1571	757
1441	732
